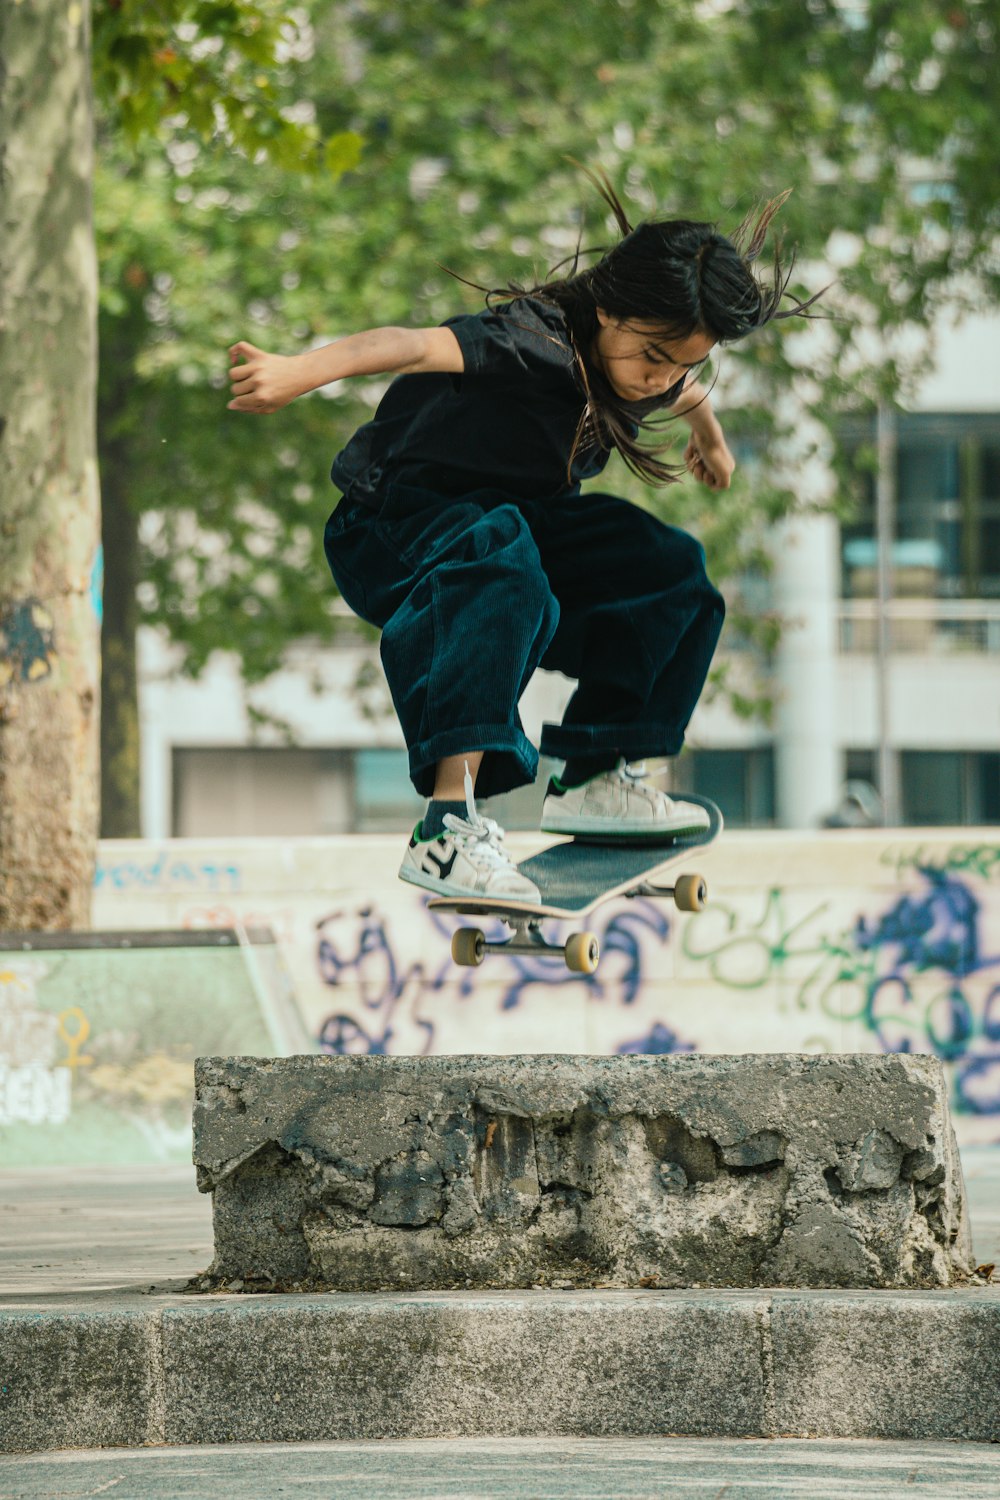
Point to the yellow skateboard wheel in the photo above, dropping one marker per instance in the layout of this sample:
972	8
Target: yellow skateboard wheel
690	893
468	946
582	953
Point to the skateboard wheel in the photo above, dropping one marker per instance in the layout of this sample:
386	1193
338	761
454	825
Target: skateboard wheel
582	953
468	946
690	893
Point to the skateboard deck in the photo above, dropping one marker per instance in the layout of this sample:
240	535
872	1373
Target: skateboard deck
573	877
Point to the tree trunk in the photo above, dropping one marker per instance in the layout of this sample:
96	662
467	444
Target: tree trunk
49	503
119	692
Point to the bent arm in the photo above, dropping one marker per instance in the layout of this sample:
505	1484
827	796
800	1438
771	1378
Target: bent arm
262	382
707	454
695	406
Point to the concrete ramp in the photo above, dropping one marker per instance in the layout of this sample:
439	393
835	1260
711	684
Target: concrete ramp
99	1032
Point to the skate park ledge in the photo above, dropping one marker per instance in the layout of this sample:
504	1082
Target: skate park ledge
377	1173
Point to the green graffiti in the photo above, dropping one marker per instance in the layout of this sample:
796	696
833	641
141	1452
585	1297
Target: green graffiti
981	860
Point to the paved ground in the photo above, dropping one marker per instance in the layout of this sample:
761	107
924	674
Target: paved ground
516	1469
85	1232
981	1165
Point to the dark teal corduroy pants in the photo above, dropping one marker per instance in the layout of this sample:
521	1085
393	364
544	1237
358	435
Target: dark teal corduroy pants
472	594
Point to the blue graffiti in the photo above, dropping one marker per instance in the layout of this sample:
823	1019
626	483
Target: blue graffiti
356	945
621	933
937	929
344	1037
27	642
97	585
163	872
659	1041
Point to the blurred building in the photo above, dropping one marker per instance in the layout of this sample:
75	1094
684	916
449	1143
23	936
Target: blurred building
346	770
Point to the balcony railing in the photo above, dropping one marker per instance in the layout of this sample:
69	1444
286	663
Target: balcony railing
937	627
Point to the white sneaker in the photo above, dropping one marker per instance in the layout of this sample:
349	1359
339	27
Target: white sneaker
620	804
468	859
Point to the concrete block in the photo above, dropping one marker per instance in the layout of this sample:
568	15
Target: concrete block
367	1173
289	1369
877	1365
75	1380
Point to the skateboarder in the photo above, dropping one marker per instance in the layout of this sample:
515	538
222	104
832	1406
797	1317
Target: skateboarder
464	536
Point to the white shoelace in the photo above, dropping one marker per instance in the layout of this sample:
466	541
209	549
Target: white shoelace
637	778
481	837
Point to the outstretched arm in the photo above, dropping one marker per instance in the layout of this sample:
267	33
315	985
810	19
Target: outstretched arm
707	454
262	382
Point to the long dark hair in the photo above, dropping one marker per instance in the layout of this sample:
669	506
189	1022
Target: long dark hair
681	274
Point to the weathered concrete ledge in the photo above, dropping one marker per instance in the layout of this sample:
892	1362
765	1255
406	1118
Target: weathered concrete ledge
286	1368
367	1173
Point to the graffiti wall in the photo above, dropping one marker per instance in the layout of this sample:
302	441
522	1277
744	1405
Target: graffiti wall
97	1042
840	941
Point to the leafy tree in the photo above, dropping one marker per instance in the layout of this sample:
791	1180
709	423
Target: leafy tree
185	70
469	112
48	475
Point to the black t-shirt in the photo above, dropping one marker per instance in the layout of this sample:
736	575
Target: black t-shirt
507	423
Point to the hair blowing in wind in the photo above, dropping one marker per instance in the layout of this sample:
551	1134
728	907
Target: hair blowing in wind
686	277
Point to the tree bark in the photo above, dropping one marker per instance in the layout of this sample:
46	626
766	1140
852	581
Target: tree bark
120	817
49	502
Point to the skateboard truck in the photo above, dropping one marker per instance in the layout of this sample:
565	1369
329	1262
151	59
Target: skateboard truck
690	892
581	951
470	945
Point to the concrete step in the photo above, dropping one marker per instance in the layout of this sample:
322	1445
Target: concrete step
169	1368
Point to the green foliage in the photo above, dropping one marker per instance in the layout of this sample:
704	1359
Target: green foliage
878	115
219	69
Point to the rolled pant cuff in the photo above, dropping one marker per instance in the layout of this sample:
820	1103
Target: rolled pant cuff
509	758
634	741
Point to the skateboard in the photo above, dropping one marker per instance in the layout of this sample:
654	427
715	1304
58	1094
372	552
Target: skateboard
574	876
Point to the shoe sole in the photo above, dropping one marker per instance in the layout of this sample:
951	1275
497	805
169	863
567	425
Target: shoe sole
451	888
608	832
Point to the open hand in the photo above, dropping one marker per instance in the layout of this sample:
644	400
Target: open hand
261	382
710	461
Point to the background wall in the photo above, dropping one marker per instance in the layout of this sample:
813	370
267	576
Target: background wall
881	940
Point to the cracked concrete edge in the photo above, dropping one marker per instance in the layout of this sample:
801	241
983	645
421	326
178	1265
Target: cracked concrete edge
698	1363
367	1174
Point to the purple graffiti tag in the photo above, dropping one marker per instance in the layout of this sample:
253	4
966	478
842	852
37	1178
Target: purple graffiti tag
621	933
343	1037
936	930
355	946
977	1086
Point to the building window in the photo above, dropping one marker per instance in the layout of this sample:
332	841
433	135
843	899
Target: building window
243	792
950	787
740	781
947	541
384	798
940	788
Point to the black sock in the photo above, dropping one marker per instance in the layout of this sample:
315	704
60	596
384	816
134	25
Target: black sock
432	825
580	768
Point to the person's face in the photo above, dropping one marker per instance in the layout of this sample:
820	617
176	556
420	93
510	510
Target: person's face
640	360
